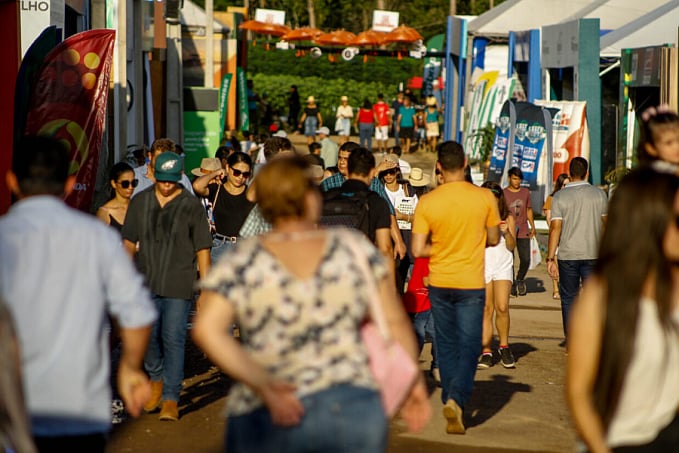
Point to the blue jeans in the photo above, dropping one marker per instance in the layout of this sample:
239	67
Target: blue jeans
365	134
164	358
423	322
218	248
394	128
458	320
340	419
310	126
572	273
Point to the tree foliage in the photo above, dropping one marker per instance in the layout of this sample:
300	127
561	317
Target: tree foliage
427	16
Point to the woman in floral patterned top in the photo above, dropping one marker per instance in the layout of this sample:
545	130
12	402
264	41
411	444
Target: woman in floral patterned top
299	296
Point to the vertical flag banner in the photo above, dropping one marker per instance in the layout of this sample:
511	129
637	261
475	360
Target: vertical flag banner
502	143
244	112
532	150
69	103
28	71
569	131
223	102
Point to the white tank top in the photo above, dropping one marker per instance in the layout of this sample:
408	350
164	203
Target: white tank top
650	393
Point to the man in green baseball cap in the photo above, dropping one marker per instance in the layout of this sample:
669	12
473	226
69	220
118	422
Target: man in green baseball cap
173	235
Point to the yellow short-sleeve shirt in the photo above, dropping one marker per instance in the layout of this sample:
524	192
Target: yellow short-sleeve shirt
456	214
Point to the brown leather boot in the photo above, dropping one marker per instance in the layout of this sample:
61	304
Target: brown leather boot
156	394
169	411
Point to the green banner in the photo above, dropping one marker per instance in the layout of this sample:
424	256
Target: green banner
243	100
200	137
224	101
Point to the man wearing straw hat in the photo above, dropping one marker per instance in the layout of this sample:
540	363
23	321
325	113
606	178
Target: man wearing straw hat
453	225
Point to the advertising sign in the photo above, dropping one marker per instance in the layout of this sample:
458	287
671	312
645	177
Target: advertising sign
68	102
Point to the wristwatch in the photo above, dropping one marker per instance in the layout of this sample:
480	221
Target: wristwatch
549	259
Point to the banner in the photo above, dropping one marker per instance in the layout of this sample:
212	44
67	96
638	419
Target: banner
533	150
28	71
502	143
68	103
241	84
223	102
487	100
569	132
432	68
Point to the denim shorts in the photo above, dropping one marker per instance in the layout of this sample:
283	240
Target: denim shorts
340	419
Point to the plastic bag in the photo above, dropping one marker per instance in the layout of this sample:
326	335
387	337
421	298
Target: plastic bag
535	255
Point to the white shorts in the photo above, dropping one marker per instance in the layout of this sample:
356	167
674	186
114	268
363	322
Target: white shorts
499	263
381	132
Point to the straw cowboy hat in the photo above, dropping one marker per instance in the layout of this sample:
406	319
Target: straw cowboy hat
310	100
418	178
207	165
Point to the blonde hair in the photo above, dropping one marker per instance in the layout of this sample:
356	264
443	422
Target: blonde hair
282	186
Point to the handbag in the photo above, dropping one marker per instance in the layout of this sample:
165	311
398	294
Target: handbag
390	364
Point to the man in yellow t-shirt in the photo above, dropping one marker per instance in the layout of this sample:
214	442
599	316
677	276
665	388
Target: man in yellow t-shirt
453	225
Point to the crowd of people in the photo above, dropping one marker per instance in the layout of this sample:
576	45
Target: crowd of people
229	241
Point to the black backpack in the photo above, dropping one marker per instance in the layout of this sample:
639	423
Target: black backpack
346	209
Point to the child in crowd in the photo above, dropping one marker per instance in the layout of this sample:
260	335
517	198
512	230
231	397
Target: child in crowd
418	306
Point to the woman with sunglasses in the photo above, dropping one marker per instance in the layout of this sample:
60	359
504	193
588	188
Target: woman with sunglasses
123	182
226	190
404	200
499	277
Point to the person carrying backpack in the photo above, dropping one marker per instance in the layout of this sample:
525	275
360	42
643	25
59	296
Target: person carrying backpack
354	205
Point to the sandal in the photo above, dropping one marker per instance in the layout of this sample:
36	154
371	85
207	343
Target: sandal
556	296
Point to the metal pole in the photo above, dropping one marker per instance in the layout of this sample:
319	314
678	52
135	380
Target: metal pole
209	45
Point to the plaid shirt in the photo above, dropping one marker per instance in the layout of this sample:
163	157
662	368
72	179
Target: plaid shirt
254	224
336	180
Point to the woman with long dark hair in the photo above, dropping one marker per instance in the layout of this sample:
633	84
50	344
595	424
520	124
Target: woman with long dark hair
622	380
226	191
122	181
499	269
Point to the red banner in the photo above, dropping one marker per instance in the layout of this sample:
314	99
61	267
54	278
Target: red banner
68	102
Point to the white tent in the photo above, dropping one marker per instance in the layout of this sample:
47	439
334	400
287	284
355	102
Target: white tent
613	14
194	18
516	15
658	27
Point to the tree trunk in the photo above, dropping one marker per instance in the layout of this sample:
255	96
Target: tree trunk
312	13
453	7
381	5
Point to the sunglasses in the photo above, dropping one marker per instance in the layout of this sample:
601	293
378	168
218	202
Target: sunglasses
237	173
391	171
126	184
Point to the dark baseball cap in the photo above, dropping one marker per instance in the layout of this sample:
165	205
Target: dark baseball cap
168	167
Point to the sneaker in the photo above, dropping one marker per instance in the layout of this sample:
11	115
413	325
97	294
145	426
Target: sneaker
513	292
485	361
453	414
506	357
117	411
169	411
521	287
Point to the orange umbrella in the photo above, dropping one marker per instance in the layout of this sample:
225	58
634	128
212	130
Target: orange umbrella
335	38
402	34
264	28
367	38
301	34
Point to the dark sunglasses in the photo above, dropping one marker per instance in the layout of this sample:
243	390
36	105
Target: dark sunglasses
126	184
391	171
237	173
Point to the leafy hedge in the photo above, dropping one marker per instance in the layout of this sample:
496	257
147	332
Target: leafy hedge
273	71
327	92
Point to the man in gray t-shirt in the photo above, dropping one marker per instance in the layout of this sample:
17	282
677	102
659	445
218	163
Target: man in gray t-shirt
578	216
